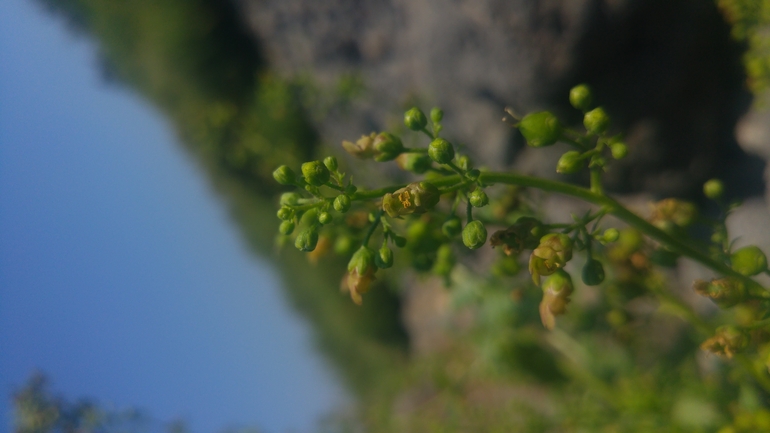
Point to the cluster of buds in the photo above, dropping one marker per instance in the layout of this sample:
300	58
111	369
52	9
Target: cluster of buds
727	341
552	254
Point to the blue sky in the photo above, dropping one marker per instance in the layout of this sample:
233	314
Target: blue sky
121	276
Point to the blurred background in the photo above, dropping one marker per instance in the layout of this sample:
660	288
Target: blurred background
141	288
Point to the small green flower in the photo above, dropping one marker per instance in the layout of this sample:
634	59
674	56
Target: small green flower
307	240
540	129
315	173
580	97
714	189
325	218
331	163
441	151
749	261
341	203
384	258
474	235
596	121
478	198
417	197
414	119
286	227
284	175
570	162
619	150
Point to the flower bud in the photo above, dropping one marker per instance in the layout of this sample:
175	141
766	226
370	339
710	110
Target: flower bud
525	234
417	197
554	251
452	227
540	129
464	162
414	119
306	240
445	260
556	292
725	292
580	97
284	175
325	218
315	173
387	147
478	198
361	269
363	148
415	162
384	258
610	235
570	162
713	189
727	341
341	203
596	121
619	150
474	235
441	151
593	272
436	115
749	261
285	213
286	227
289	199
331	163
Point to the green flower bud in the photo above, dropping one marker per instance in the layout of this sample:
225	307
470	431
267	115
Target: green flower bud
436	115
361	269
315	173
417	197
384	258
363	148
540	129
596	121
570	162
713	189
593	272
525	234
474	235
341	203
325	218
464	162
331	163
285	213
452	227
619	150
307	240
343	245
749	261
554	251
556	292
400	241
445	260
611	235
580	97
414	119
284	175
725	292
387	147
415	162
289	199
478	198
727	341
286	227
441	151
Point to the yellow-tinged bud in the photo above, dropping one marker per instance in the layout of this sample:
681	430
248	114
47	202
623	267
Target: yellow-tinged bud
417	197
725	292
284	175
387	147
557	289
361	269
540	129
713	189
478	198
749	261
363	148
619	150
727	341
580	97
554	251
341	203
596	121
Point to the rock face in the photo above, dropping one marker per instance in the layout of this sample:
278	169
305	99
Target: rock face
666	70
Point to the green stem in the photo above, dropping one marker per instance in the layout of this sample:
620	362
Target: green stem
596	181
373	227
415	150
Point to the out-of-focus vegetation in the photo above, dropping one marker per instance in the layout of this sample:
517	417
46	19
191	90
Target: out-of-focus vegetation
750	21
612	368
